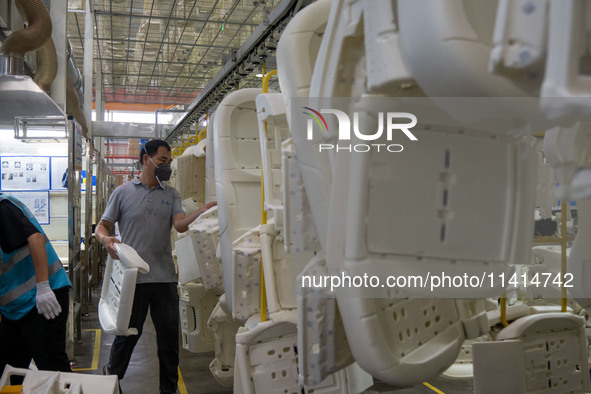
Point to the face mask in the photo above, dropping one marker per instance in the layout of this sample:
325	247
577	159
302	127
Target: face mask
162	172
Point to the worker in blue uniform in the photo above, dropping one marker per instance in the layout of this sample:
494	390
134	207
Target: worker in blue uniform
34	293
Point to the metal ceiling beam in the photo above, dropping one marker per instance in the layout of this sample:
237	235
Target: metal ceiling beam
129	40
219	58
141	16
158	76
156	95
123	130
248	56
133	91
148	61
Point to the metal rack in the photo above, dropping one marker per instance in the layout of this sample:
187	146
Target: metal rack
75	141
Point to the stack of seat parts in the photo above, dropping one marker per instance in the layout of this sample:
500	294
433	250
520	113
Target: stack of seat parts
352	195
224	331
536	353
237	176
196	304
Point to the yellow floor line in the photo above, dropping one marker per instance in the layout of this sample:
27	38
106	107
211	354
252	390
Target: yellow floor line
182	387
96	351
433	388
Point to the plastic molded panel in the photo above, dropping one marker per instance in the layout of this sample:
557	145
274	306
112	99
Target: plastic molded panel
459	35
237	174
563	76
205	231
302	36
463	368
196	304
399	341
321	335
246	251
361	52
519	38
537	353
118	290
209	162
191	175
451	218
224	329
578	260
403	342
186	252
424	196
300	232
268	364
271	111
57	382
280	271
545	188
547	257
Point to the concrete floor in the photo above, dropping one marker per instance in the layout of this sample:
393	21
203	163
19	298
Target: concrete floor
195	377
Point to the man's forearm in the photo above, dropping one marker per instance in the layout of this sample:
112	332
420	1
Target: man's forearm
101	232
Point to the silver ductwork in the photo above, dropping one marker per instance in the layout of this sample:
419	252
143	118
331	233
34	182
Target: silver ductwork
19	95
36	36
74	75
11	64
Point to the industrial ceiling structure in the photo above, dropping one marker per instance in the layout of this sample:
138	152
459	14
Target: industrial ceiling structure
164	52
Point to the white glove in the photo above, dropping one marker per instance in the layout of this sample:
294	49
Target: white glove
46	302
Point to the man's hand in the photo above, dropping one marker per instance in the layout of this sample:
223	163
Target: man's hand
181	221
207	206
109	243
103	234
47	304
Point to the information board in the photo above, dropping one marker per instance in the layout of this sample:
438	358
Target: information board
25	172
37	202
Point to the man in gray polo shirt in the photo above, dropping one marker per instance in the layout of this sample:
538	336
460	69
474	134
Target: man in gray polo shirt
146	209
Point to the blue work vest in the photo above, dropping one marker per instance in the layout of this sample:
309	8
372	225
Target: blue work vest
17	273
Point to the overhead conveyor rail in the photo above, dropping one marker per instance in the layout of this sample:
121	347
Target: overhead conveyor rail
260	45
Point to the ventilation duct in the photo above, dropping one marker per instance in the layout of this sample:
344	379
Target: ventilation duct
74	75
47	69
19	95
73	106
34	36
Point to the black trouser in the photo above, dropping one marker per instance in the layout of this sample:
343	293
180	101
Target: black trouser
35	337
163	301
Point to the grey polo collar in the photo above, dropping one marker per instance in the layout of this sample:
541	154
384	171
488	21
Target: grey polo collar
136	181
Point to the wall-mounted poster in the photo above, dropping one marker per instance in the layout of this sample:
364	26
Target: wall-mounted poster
37	202
24	172
59	170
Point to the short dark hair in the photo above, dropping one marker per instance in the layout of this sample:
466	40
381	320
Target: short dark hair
151	148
